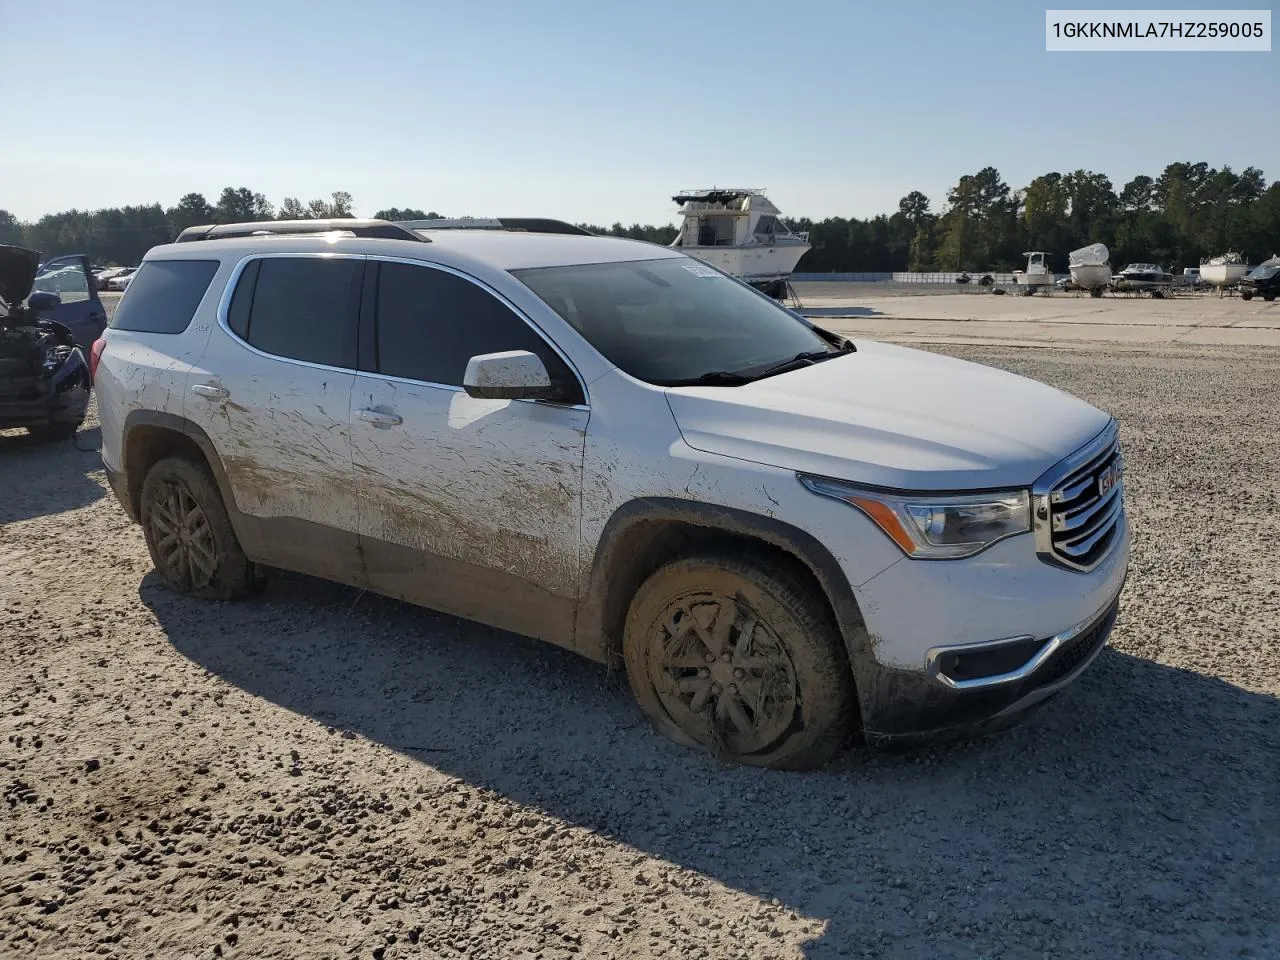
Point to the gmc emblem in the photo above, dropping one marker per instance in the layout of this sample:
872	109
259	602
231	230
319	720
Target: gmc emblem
1109	477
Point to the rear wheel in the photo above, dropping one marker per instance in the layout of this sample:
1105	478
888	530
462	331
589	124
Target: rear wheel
189	533
1269	297
741	658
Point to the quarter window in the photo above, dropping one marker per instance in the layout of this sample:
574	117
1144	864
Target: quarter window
163	296
432	322
304	308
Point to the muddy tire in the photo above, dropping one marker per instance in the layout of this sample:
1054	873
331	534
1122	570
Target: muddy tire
742	658
189	534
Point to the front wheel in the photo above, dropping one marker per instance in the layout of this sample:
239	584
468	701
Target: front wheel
742	658
1246	296
189	533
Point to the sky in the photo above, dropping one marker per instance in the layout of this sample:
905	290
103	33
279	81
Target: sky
592	111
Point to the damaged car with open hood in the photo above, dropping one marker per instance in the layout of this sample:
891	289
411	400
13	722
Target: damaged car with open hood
44	375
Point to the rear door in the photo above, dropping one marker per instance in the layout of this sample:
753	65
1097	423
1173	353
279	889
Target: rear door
468	506
82	311
272	391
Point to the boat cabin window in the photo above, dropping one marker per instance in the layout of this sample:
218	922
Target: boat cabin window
715	231
768	226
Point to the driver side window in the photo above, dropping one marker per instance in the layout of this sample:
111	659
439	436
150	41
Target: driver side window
430	323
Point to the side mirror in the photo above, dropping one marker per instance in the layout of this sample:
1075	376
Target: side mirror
40	302
510	375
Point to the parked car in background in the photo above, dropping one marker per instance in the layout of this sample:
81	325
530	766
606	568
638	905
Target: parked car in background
44	377
783	535
106	274
1262	281
120	281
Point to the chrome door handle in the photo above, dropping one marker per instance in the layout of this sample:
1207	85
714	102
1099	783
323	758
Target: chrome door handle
210	392
380	418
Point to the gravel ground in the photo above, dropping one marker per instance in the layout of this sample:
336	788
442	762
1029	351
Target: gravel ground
318	773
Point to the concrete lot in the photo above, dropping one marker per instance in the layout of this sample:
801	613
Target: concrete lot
931	316
323	774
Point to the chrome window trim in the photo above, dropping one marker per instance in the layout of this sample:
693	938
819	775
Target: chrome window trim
228	291
933	658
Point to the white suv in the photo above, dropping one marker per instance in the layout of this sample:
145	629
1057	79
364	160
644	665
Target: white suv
614	447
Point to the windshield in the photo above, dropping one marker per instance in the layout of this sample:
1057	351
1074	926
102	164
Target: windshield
1265	272
674	321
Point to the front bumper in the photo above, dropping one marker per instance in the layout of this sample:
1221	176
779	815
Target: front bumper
904	707
47	408
963	646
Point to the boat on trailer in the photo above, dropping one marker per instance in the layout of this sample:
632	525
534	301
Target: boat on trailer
1224	270
742	233
1037	275
1137	277
1091	268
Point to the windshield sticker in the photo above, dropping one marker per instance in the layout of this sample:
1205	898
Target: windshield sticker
700	271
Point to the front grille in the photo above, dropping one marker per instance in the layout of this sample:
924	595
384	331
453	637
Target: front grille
1078	516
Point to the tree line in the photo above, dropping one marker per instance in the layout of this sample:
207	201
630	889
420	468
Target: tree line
1188	212
122	235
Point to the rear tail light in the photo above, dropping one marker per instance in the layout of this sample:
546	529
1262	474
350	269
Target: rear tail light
95	355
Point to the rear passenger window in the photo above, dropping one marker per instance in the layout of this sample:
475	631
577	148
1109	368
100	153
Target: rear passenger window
431	322
163	296
304	308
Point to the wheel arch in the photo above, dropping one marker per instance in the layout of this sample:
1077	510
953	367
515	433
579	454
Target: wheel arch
152	435
645	533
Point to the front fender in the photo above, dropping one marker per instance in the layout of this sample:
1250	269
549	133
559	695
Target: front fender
619	566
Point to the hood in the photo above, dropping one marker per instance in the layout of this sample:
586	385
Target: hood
892	417
18	267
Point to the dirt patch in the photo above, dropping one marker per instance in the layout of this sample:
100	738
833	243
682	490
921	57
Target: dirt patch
320	773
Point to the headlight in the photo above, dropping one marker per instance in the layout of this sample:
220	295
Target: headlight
941	527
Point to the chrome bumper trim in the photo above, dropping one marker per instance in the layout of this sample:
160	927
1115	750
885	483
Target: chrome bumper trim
933	659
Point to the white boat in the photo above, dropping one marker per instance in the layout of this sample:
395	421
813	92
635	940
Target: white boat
1091	268
740	232
1142	276
1037	273
1224	270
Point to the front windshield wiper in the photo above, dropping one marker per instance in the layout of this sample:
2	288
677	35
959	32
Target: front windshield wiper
806	359
730	378
715	378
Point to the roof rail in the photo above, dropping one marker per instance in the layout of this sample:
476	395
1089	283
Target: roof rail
518	224
378	229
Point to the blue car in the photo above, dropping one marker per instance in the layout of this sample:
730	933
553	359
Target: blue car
44	377
79	307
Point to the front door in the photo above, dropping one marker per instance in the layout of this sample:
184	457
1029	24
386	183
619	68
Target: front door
81	311
273	393
468	506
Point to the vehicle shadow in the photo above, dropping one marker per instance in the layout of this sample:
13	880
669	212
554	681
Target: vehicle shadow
41	478
1149	792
